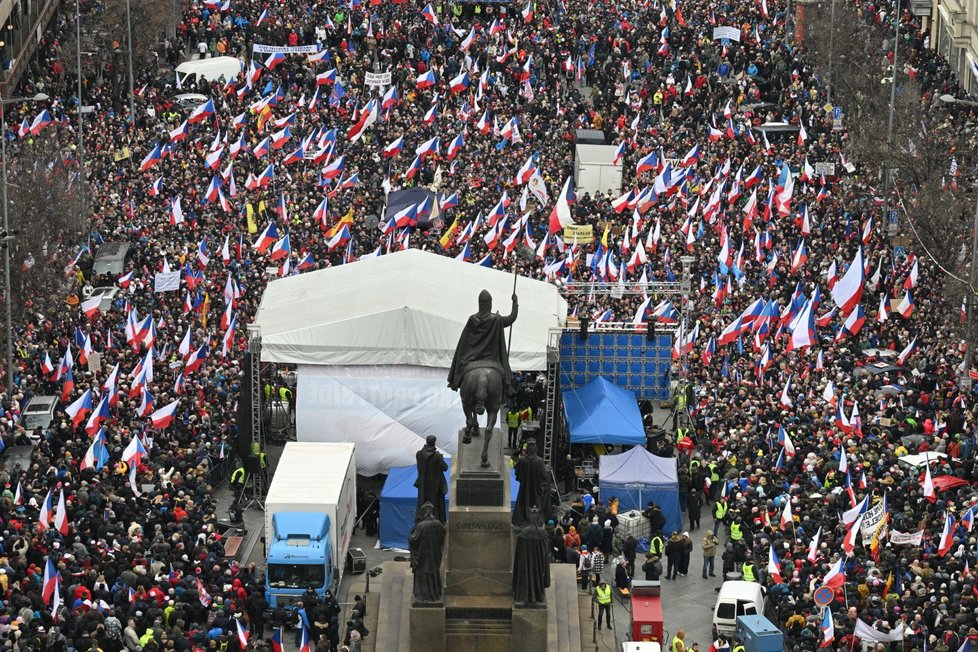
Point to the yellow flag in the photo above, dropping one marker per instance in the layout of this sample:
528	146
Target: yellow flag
446	238
604	237
203	312
250	217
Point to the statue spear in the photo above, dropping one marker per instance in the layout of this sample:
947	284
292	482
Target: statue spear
522	252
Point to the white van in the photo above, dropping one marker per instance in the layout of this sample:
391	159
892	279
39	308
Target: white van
208	69
736	598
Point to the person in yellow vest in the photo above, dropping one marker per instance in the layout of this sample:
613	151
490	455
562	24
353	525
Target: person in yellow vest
513	423
738	646
237	482
720	510
678	642
736	530
656	544
602	595
748	571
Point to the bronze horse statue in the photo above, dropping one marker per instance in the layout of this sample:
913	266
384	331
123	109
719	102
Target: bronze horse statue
481	392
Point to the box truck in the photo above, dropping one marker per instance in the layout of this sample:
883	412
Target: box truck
758	634
310	509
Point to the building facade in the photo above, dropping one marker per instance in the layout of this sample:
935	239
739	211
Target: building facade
954	33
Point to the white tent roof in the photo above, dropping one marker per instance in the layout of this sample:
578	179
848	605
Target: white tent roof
405	308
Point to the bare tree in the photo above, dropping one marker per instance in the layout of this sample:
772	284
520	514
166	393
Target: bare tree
916	146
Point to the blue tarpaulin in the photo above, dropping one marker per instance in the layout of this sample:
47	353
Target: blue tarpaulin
603	413
399	499
636	477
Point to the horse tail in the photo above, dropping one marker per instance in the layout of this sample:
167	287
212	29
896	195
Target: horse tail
481	391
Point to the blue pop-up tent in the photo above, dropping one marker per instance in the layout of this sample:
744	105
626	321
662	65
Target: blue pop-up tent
636	477
603	413
399	499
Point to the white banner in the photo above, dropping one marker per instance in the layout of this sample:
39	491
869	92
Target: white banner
380	79
868	633
871	520
260	48
726	32
166	281
898	538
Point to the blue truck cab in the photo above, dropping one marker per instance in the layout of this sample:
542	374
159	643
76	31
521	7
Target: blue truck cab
299	557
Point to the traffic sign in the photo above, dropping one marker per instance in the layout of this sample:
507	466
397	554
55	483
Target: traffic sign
837	112
824	595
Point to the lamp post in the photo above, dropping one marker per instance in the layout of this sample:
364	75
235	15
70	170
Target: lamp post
685	286
970	308
81	133
40	97
132	98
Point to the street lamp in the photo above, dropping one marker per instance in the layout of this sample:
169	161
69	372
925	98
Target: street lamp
40	97
970	310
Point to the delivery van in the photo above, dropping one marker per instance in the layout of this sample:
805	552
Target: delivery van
211	70
736	598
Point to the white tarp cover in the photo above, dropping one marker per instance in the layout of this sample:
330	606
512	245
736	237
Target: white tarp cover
404	308
387	411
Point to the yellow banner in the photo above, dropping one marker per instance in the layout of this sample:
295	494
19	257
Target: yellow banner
583	232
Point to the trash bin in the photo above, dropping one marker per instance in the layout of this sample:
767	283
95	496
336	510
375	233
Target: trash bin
356	561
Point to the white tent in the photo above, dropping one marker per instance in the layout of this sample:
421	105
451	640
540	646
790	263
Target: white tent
373	342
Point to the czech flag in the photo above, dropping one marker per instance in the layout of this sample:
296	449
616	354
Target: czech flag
154	157
394	148
828	629
774	566
41	120
242	634
425	80
202	112
647	162
836	576
164	416
460	83
80	408
429	14
273	60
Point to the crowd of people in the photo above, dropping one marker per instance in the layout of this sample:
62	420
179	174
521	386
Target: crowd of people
285	169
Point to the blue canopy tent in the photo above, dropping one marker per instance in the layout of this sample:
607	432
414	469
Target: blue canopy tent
636	477
399	499
603	413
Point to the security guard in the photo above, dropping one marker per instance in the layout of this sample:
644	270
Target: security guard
602	594
237	481
748	571
720	510
678	642
715	486
736	530
513	423
656	544
738	646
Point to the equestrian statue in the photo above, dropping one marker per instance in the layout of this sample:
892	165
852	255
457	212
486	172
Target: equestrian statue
480	369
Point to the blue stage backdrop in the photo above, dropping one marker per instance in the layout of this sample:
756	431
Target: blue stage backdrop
626	359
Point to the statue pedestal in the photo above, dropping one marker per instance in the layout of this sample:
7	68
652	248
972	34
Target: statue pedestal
427	627
475	485
479	559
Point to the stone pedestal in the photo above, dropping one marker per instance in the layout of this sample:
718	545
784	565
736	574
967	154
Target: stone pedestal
479	545
428	628
530	628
